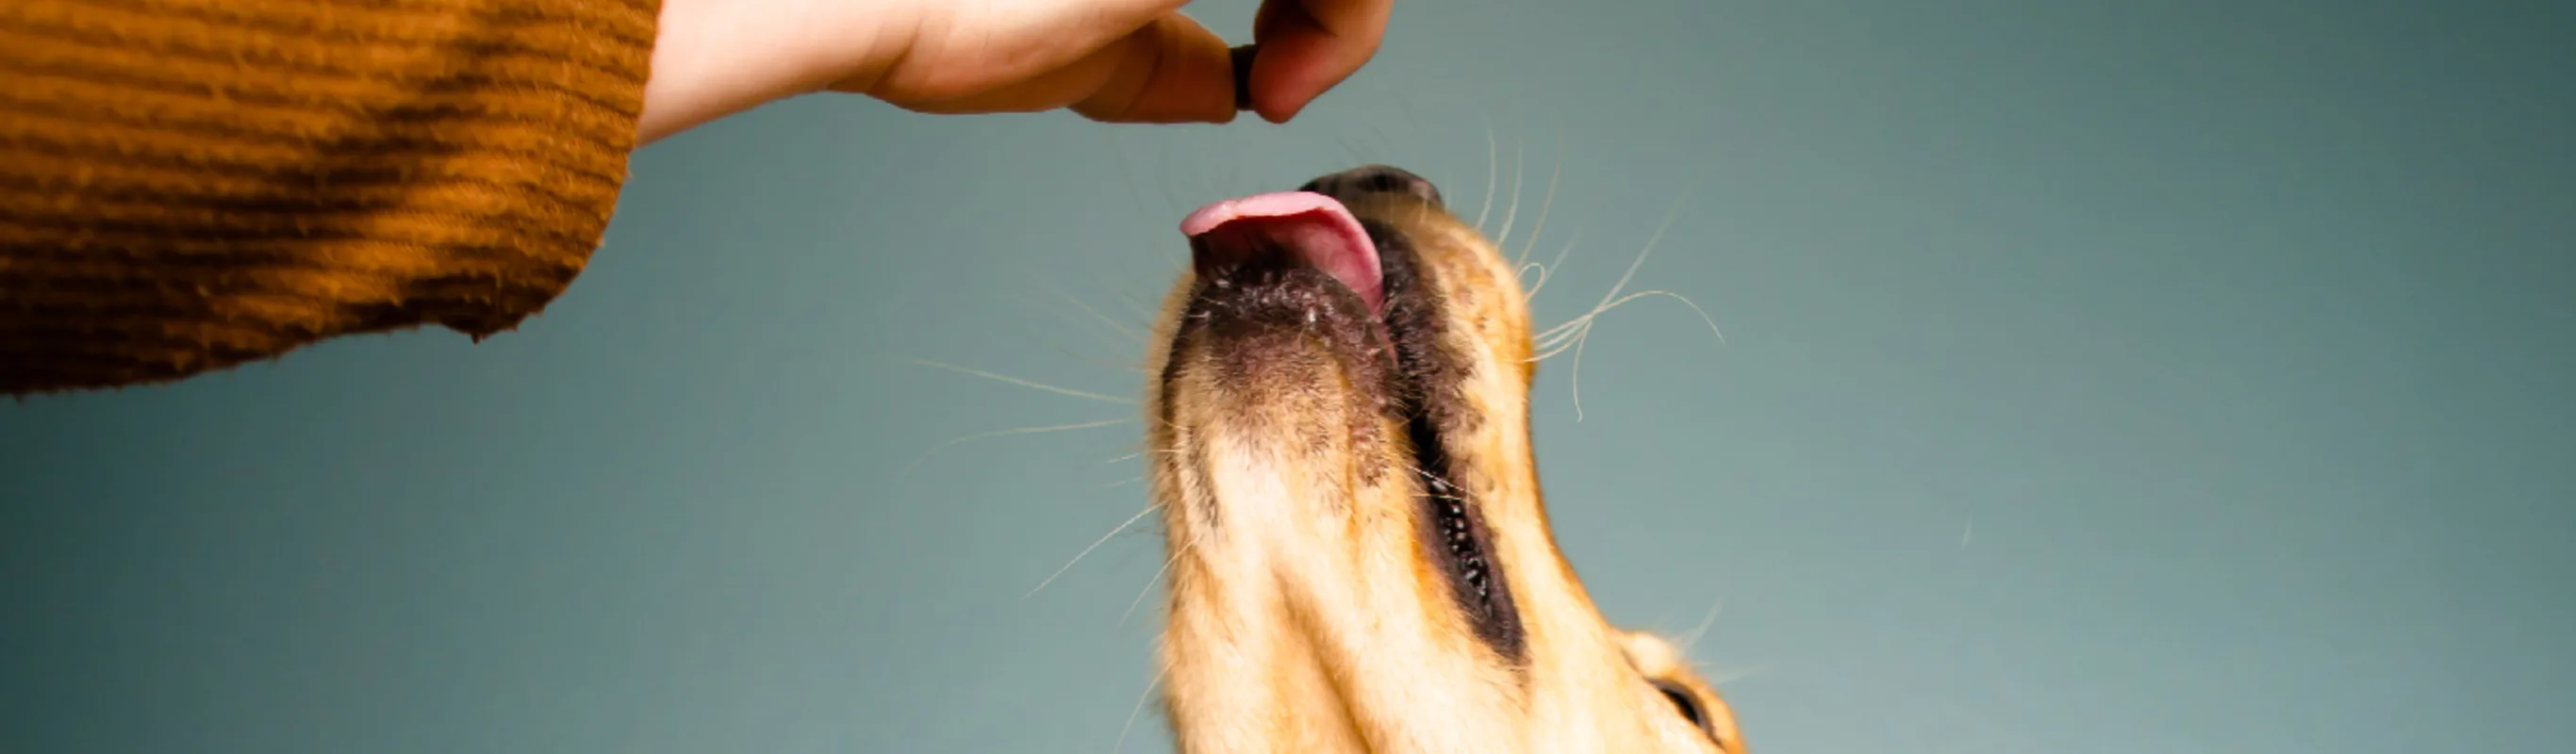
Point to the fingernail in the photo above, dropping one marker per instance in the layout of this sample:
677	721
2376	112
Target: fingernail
1243	75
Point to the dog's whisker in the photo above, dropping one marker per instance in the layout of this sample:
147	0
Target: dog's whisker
1520	160
1132	714
1095	544
1582	331
1559	346
1384	142
1184	549
1685	301
1552	266
1574	374
1548	270
1690	640
1545	204
1096	316
1096	361
1640	261
1348	147
1492	176
1025	383
1738	676
925	456
1561	333
1444	481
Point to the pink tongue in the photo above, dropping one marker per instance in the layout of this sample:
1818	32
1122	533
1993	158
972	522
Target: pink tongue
1320	231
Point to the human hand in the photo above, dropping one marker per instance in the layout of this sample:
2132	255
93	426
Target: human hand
1126	61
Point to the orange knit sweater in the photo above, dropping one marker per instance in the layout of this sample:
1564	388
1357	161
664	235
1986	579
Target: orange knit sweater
188	185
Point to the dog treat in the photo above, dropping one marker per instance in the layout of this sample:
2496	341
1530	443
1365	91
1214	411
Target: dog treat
1243	75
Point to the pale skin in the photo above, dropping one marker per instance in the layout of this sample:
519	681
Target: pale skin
1117	61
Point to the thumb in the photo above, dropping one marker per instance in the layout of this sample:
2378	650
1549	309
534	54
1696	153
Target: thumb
1310	46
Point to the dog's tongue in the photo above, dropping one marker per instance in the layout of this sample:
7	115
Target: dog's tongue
1320	231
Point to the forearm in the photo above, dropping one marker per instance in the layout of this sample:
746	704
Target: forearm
715	58
191	184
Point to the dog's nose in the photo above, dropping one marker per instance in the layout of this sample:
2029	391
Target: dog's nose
1373	179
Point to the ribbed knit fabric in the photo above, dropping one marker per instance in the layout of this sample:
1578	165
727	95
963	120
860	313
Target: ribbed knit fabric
188	185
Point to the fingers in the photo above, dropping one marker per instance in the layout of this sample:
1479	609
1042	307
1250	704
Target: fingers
1308	47
1175	72
1171	71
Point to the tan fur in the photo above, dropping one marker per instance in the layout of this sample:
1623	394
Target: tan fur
1304	616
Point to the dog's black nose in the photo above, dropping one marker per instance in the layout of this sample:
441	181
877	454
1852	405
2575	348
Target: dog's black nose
1374	179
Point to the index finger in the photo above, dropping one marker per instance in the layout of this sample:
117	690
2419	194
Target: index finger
1308	47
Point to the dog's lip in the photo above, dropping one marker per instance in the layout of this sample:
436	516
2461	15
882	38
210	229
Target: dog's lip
1316	228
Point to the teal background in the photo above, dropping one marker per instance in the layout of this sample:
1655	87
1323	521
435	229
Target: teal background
2098	377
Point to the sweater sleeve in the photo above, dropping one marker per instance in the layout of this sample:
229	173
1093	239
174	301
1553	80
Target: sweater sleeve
189	185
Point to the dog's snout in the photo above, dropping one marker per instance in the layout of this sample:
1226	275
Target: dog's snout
1374	179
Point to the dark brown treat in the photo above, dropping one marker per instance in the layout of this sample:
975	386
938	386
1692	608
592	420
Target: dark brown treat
1243	75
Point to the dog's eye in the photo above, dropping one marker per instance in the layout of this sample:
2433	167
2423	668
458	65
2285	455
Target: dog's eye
1686	704
1682	701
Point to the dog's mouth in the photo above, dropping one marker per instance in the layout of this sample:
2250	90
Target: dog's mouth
1303	229
1301	265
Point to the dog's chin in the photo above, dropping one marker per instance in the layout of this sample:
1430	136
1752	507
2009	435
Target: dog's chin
1283	368
1317	335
